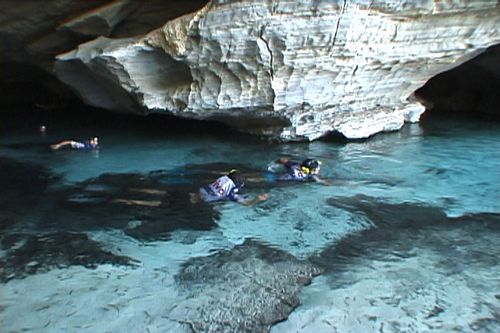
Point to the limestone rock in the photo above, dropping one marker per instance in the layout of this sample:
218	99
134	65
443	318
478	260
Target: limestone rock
34	33
292	70
246	289
101	21
285	69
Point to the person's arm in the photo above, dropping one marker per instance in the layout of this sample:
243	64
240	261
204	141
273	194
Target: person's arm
257	199
285	161
282	160
321	181
61	144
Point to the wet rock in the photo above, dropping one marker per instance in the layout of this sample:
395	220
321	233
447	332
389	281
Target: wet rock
486	325
382	214
246	289
29	254
145	206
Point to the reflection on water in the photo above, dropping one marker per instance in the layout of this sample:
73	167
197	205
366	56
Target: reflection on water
411	218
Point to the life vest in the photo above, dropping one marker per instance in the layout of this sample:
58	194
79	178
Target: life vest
296	172
222	187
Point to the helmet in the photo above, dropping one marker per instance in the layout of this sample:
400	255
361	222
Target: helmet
310	166
237	178
310	163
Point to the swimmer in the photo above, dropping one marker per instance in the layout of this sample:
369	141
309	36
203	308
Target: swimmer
306	170
92	143
227	188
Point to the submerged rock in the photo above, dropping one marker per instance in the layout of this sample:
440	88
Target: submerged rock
415	270
141	205
146	207
246	289
399	228
30	254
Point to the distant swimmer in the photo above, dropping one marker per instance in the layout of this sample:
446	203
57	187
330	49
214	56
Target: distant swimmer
307	170
92	143
227	188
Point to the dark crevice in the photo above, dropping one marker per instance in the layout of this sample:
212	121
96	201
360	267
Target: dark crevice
338	23
469	90
261	36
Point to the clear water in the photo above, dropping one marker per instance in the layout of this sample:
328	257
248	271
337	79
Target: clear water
401	283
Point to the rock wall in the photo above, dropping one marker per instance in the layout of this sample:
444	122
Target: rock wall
34	32
286	69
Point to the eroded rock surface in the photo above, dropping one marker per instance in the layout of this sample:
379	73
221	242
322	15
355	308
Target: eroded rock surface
293	70
246	289
30	254
289	70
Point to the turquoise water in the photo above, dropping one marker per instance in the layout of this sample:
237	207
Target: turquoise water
401	207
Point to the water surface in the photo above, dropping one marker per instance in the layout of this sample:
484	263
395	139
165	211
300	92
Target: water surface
406	239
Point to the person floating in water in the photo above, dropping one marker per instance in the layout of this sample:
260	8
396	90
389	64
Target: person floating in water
306	170
227	188
92	143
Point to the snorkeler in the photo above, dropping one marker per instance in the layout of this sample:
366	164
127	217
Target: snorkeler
307	170
92	143
227	188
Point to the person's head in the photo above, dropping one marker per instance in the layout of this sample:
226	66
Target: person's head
237	178
94	141
311	166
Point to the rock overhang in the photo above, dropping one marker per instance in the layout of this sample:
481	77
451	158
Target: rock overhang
301	69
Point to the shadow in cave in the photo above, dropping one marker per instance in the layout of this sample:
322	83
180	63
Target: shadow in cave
400	230
56	229
466	91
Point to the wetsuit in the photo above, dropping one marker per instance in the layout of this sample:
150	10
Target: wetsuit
82	145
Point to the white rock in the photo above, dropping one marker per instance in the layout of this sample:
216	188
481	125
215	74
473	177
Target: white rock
298	70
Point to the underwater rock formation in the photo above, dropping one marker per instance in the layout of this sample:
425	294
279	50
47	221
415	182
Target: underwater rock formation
404	273
289	70
30	254
246	289
144	206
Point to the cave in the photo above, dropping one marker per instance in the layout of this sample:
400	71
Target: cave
468	90
154	78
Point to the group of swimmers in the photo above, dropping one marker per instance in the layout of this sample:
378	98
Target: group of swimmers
229	187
